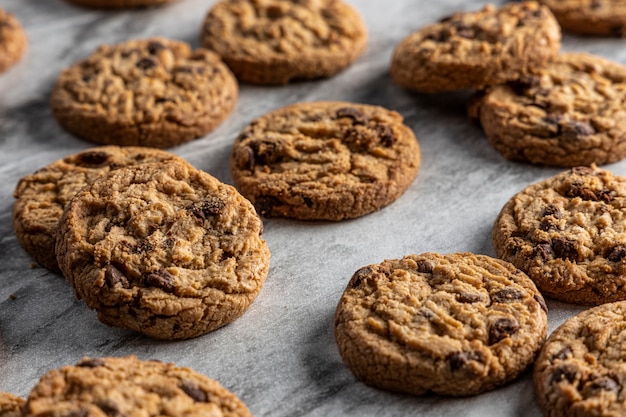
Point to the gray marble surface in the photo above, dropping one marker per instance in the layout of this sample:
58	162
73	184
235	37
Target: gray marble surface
280	358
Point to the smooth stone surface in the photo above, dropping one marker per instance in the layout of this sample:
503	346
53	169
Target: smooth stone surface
280	358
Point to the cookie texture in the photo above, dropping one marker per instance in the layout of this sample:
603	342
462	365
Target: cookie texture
13	41
568	113
325	160
119	4
127	386
590	17
10	405
151	92
41	197
456	324
474	49
163	249
568	234
275	41
580	370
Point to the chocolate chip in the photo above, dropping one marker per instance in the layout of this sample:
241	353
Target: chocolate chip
357	116
207	208
507	295
564	249
92	158
563	354
547	225
458	360
265	204
468	297
264	152
440	36
463	30
360	276
596	4
542	303
386	135
90	363
246	159
144	247
604	383
524	83
154	47
582	170
110	408
146	63
194	391
577	189
552	211
563	372
161	279
572	130
617	253
501	329
543	250
424	267
113	276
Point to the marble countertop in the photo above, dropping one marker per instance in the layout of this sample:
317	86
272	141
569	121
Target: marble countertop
280	358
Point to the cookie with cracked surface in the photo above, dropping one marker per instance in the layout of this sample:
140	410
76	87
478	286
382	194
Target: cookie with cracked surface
590	17
10	405
125	386
568	234
456	324
568	113
163	249
13	41
475	49
120	4
151	92
275	41
580	369
325	160
41	197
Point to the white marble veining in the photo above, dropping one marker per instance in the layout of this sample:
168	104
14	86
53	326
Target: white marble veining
280	358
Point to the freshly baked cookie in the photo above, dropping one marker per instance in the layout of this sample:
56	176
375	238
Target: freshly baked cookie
153	92
120	4
567	113
10	405
13	40
128	386
276	41
41	197
325	160
163	249
590	17
568	234
581	368
474	49
457	324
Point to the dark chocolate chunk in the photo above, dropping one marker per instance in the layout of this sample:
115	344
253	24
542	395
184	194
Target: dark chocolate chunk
357	116
548	225
617	253
386	135
501	329
90	363
563	354
596	4
602	383
144	247
544	250
194	391
359	276
207	208
264	152
92	158
424	267
146	63
154	47
507	295
110	408
564	249
468	297
113	276
563	372
265	204
524	83
574	129
542	303
552	211
161	279
458	360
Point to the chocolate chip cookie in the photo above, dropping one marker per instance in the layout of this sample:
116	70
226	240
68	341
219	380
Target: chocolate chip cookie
474	49
41	197
590	17
10	405
325	160
275	41
568	234
163	249
153	92
120	4
580	370
13	41
128	386
457	324
568	113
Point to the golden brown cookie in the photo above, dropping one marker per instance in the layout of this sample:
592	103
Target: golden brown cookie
457	324
41	197
276	41
13	40
581	370
474	49
567	113
590	17
120	4
325	160
153	92
568	234
10	405
163	249
127	386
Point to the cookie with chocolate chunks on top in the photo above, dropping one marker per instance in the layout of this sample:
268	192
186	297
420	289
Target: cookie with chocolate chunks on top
475	49
568	234
163	249
325	160
455	324
125	386
590	17
13	41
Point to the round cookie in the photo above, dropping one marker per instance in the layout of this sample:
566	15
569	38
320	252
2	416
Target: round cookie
568	113
590	17
128	386
13	40
275	41
120	4
10	405
581	368
568	234
41	197
325	160
152	92
163	249
457	324
474	49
